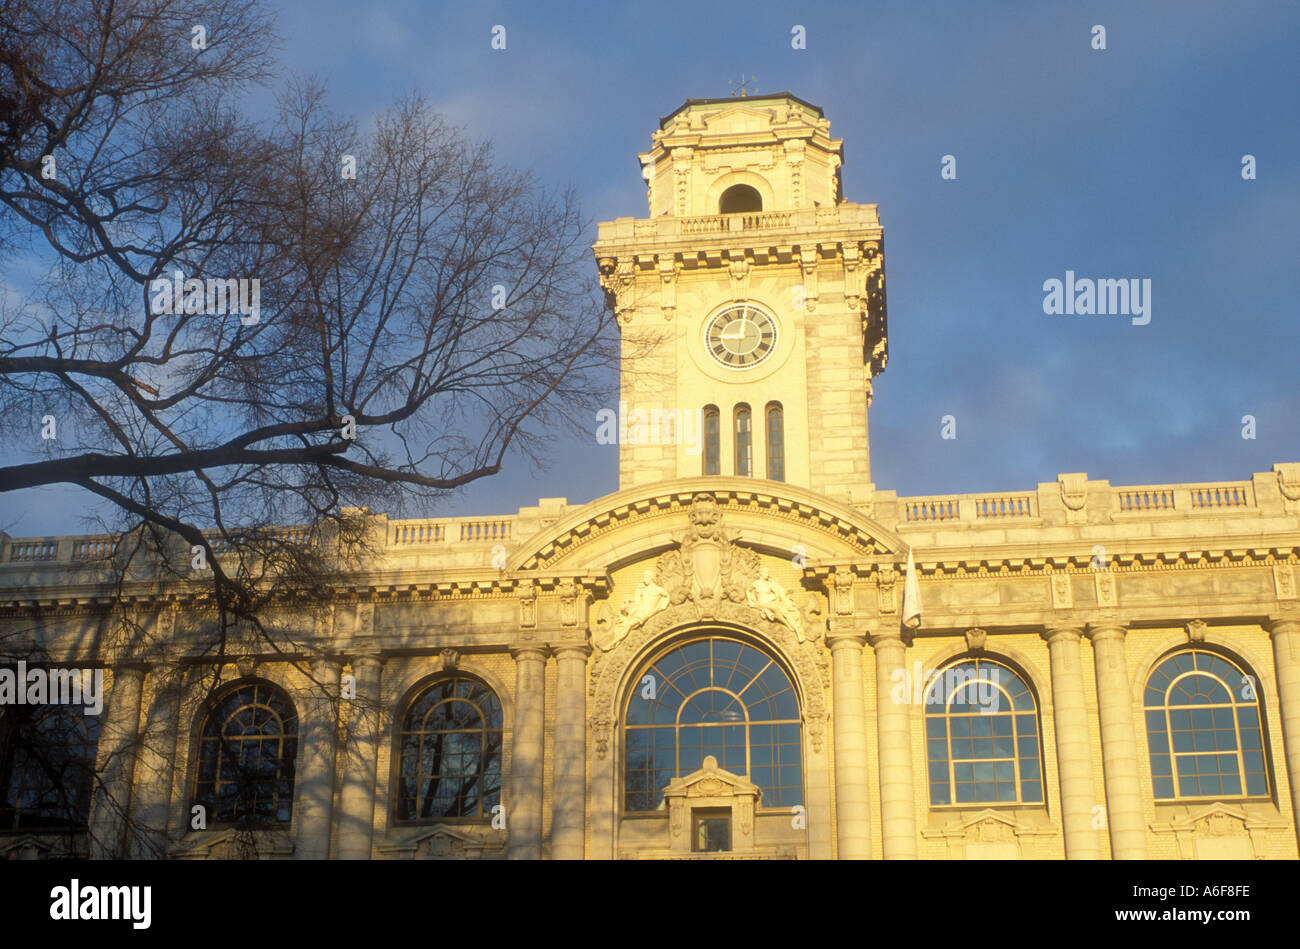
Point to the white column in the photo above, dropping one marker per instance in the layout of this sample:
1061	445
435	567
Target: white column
524	807
118	746
1119	751
894	743
1286	660
361	760
569	808
317	735
852	794
1073	750
155	767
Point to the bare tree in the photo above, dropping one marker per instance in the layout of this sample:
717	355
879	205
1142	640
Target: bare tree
249	323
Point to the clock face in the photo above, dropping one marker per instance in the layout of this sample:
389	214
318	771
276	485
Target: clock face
740	336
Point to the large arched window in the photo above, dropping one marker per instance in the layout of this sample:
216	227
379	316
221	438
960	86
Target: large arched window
712	451
744	441
1204	729
48	765
450	752
740	199
716	697
775	442
247	753
981	732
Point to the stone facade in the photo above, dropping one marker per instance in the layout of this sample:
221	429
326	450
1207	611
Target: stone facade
1081	589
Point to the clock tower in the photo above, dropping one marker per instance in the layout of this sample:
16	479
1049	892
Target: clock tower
751	302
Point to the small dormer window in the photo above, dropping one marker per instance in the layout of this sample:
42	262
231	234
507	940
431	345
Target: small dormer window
740	199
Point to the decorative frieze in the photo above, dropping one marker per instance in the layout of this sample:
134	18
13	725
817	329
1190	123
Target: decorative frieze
1062	592
1284	581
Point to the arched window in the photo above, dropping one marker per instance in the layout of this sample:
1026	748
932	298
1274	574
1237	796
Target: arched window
775	442
48	766
981	732
712	451
715	697
450	752
247	752
740	199
1204	729
744	442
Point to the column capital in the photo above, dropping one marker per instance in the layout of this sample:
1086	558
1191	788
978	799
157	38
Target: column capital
1106	631
890	637
1281	624
1061	634
132	667
843	638
368	659
538	651
570	651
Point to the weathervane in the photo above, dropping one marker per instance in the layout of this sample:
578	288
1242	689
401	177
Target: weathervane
740	88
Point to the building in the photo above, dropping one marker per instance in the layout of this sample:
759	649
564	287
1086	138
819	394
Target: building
712	661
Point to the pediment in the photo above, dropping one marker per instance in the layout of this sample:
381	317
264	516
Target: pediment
711	781
987	825
444	841
30	847
1216	818
738	120
232	844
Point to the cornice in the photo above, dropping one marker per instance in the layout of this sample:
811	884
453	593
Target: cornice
733	495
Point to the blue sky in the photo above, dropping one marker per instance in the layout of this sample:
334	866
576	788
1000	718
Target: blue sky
1117	163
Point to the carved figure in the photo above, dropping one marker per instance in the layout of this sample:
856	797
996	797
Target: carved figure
771	599
648	600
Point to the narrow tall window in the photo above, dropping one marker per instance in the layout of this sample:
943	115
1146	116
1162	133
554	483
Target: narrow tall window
744	442
775	442
712	453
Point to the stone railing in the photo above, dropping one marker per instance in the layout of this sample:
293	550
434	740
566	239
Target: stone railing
442	530
1128	501
401	535
968	507
668	225
1189	498
57	549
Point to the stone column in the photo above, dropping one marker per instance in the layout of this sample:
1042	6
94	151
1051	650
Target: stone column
524	805
1119	750
852	795
155	769
1073	754
894	741
1286	660
118	746
569	814
361	760
317	734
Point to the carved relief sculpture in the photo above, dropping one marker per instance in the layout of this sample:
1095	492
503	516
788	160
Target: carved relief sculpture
648	600
770	598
